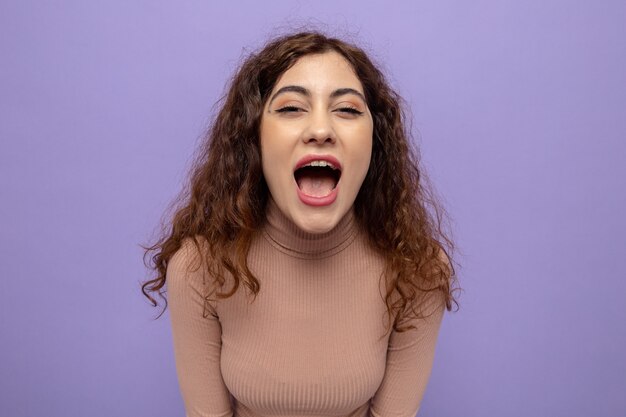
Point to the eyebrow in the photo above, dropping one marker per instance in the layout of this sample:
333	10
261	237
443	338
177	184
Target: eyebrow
301	90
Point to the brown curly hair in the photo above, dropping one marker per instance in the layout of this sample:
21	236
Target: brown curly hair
224	202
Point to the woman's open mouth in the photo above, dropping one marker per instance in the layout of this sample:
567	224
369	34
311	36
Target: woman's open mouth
317	182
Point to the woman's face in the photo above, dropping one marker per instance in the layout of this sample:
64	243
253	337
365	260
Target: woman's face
316	115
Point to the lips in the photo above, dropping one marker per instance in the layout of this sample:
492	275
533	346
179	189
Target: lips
317	179
312	157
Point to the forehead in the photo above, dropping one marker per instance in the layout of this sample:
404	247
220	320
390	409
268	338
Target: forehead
328	70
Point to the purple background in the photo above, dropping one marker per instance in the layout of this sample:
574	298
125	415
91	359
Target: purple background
520	111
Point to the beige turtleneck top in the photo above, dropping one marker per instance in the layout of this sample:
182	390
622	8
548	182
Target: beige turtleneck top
310	344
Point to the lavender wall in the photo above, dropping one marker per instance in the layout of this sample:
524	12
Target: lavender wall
520	108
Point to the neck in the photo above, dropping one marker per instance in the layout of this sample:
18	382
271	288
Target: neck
287	237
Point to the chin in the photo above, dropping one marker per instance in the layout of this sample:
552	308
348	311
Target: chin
317	223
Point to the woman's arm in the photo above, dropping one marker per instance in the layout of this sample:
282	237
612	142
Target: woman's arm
410	358
197	340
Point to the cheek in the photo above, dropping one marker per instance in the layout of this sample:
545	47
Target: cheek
365	160
270	137
266	144
273	153
360	159
363	153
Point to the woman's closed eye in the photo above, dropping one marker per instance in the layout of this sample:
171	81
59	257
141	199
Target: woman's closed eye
294	109
350	110
289	109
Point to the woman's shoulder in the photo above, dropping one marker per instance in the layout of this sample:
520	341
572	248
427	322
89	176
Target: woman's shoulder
189	260
189	283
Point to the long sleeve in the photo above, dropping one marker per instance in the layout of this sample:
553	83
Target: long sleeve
197	339
410	357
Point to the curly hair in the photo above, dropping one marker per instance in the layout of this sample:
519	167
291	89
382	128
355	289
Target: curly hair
224	202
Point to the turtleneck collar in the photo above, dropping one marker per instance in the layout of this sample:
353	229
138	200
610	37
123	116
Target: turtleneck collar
284	235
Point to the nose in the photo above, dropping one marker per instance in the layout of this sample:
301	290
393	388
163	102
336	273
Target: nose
319	129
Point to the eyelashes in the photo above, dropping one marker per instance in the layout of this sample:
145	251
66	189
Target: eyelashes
350	110
294	109
287	109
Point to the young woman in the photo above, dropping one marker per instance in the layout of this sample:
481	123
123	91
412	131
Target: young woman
306	191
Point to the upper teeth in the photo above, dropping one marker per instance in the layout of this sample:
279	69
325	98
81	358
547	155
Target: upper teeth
320	164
